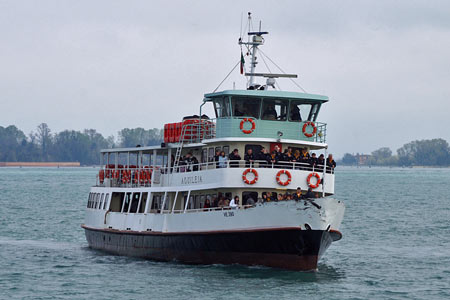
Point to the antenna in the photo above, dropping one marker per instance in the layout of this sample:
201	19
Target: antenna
254	40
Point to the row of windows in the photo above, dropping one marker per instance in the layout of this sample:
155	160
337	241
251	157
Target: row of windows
128	202
267	109
98	201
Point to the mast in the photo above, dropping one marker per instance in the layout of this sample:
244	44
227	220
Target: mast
254	40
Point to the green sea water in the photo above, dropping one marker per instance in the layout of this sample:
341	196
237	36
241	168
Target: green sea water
396	245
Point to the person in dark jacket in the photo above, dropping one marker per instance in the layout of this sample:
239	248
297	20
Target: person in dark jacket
313	160
249	158
330	161
320	162
298	194
263	158
216	158
310	194
234	158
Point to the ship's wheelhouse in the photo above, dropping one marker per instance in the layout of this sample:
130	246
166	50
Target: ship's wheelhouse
274	113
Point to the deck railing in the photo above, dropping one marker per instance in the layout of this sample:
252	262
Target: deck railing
125	176
199	129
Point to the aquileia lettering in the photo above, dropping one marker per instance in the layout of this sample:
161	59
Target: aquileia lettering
192	179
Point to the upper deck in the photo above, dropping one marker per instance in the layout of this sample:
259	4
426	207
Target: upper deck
267	114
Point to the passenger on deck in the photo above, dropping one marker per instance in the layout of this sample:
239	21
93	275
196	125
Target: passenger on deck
207	204
297	156
280	197
250	201
214	202
309	194
234	202
216	158
304	156
263	158
226	202
270	113
249	158
264	197
234	159
330	161
295	114
313	160
221	202
194	162
289	197
320	162
222	160
298	194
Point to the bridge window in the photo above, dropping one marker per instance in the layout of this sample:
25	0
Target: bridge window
222	107
300	111
246	107
275	110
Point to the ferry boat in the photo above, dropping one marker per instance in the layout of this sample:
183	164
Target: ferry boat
176	201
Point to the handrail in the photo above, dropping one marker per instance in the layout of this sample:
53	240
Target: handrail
133	175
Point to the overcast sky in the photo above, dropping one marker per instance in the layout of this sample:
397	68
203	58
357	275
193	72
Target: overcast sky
113	64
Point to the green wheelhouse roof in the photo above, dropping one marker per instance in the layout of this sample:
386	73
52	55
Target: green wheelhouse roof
267	94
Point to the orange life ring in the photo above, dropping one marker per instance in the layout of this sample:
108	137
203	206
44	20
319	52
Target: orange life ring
308	180
101	175
245	179
247	131
313	126
284	183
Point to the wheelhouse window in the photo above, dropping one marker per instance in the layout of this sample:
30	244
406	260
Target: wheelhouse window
299	111
222	107
246	107
274	110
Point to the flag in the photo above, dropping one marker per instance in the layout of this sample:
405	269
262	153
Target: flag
242	63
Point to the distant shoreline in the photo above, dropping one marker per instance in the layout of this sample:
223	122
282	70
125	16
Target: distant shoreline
40	164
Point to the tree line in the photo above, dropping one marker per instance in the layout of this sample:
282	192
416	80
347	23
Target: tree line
435	152
69	145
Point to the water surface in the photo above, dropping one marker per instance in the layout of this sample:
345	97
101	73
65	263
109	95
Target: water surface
396	245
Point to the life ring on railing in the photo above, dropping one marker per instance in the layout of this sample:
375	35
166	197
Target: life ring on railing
289	177
306	126
308	180
101	175
245	179
247	131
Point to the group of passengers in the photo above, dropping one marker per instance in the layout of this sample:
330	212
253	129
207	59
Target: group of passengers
298	195
276	157
187	163
223	201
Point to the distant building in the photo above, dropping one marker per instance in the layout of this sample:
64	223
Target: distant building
362	159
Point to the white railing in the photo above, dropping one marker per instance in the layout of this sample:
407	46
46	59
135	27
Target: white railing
125	176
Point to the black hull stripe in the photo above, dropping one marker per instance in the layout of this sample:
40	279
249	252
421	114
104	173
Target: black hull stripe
283	248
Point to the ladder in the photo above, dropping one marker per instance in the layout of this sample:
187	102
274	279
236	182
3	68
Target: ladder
179	148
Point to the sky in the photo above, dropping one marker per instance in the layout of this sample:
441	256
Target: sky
108	65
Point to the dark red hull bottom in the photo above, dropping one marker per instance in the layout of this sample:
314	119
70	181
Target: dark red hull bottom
291	248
